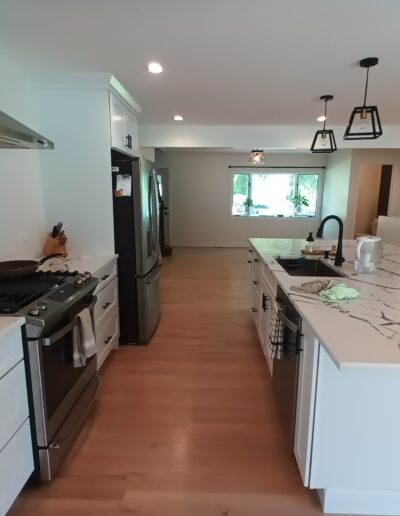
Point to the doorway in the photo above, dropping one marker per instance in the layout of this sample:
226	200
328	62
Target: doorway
373	190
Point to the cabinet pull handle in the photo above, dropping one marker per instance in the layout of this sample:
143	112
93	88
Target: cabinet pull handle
129	141
256	260
255	282
254	310
106	305
250	250
105	277
249	261
107	340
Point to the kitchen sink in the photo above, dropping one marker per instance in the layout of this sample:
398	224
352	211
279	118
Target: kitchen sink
307	267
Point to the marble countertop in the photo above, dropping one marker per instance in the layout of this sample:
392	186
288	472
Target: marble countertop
8	323
360	333
81	264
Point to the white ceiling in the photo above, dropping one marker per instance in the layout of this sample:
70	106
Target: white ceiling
227	62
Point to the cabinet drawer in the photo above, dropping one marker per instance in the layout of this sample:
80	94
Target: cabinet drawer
270	279
10	350
107	337
16	466
105	274
13	402
107	301
255	308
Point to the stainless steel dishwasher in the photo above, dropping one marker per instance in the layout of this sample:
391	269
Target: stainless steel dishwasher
286	362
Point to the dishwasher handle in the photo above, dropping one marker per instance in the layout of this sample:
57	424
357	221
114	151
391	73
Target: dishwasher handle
288	323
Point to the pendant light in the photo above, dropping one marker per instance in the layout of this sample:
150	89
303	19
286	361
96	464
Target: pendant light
324	139
364	123
257	157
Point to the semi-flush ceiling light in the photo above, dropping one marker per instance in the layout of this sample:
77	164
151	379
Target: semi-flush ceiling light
178	118
324	139
257	157
155	67
364	123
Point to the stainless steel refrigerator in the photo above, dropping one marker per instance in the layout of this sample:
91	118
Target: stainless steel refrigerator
136	231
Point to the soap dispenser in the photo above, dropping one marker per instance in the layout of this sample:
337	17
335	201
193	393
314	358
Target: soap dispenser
309	247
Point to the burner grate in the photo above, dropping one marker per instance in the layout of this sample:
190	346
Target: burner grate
17	293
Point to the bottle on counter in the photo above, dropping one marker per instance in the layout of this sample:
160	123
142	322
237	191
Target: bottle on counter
310	243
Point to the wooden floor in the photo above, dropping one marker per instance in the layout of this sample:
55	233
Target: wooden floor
187	425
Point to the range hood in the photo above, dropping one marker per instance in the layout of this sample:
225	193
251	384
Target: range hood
14	135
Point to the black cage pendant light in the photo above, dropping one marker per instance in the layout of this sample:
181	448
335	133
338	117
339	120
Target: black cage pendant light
324	139
364	123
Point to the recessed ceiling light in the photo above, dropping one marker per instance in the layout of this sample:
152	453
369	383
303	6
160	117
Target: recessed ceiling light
321	118
155	67
178	118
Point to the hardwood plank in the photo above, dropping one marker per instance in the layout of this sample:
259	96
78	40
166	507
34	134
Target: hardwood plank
186	425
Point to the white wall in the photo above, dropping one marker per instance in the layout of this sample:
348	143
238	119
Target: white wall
253	136
336	191
77	183
367	197
371	157
200	200
22	224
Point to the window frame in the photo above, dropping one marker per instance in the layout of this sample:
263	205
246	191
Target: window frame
294	171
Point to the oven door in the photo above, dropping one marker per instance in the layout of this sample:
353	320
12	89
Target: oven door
56	383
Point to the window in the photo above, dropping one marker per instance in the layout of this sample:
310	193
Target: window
276	194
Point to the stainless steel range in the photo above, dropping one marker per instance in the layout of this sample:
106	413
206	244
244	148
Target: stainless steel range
60	394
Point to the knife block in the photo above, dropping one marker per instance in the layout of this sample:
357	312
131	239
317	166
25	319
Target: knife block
54	245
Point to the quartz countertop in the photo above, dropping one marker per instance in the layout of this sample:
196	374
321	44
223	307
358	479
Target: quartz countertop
8	323
361	333
81	264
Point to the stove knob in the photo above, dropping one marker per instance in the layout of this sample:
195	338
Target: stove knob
78	281
42	306
87	275
34	311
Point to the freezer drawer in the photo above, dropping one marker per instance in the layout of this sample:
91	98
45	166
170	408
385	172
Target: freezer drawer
149	303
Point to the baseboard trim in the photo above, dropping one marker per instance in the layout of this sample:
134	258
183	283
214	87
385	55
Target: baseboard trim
360	501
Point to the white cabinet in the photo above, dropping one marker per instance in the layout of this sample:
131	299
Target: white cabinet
106	314
124	127
306	401
262	296
16	453
106	310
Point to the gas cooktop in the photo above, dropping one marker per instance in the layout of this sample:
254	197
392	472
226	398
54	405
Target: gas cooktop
44	295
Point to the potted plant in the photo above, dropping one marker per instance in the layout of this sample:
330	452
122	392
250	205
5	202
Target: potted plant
298	201
248	203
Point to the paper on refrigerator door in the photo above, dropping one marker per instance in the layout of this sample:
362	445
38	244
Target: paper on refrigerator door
123	186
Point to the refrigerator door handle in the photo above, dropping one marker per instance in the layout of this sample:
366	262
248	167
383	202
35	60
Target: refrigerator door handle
154	214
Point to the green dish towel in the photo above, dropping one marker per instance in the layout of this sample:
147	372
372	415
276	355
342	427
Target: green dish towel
339	291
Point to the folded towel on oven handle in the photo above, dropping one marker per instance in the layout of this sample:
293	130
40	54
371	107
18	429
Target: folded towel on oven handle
84	343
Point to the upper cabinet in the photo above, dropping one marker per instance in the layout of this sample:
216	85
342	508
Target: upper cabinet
124	127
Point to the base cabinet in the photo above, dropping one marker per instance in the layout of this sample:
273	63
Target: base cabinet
106	314
262	298
16	453
106	310
306	390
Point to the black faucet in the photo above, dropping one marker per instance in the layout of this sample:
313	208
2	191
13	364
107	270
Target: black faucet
339	257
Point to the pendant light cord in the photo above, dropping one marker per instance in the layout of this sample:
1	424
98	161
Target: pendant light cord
366	88
326	102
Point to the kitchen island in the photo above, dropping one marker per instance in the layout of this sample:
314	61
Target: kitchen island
348	411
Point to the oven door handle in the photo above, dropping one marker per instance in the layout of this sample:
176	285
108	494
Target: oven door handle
48	341
286	322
